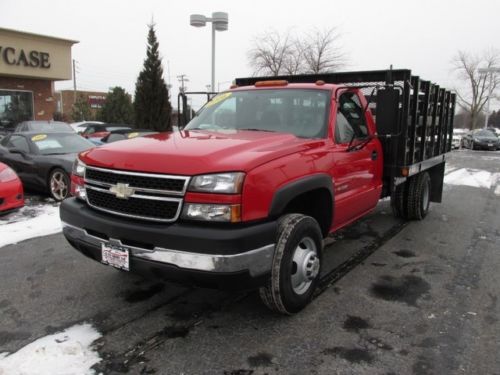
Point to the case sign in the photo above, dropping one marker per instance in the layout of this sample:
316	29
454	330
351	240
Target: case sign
20	57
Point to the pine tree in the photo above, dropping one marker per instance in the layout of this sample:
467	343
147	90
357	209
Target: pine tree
151	104
117	108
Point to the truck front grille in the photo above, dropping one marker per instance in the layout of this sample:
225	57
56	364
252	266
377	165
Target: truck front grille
151	197
158	210
165	184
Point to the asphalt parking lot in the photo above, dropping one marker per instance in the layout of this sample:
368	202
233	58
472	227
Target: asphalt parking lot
396	298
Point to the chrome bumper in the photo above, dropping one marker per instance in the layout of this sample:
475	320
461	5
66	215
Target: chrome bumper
257	261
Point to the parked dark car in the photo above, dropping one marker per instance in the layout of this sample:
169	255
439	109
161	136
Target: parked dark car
43	161
100	131
6	127
43	127
481	139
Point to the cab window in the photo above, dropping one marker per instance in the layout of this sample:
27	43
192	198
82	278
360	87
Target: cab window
351	120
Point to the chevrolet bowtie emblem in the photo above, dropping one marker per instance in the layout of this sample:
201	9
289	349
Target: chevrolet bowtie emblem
122	191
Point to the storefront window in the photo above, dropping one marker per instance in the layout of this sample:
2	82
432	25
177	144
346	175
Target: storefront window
15	106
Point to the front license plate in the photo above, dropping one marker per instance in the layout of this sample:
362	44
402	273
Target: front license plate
490	144
117	257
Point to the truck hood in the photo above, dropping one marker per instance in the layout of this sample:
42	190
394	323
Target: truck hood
197	152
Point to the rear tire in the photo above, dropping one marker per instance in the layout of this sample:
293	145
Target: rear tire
296	265
398	201
419	191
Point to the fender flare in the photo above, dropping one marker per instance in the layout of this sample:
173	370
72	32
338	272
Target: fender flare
286	193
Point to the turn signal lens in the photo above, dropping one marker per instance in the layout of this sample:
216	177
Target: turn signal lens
212	212
271	83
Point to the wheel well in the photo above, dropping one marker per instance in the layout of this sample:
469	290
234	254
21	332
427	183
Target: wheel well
316	203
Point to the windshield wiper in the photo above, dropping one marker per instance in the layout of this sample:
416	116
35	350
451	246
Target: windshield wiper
259	130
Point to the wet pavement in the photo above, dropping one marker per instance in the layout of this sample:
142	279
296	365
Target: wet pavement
395	298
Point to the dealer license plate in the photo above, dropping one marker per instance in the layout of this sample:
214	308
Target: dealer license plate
117	257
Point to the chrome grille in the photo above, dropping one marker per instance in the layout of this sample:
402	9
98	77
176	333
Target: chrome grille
153	197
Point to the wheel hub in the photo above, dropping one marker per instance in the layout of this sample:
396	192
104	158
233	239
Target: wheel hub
306	265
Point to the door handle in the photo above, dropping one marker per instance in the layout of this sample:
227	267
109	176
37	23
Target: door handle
374	155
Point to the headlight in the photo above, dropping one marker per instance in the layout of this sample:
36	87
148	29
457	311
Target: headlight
229	183
7	175
230	213
78	168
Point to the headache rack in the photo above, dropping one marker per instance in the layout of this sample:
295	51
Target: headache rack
414	117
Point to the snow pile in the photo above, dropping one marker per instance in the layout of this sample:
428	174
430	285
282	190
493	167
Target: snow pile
68	352
472	177
29	222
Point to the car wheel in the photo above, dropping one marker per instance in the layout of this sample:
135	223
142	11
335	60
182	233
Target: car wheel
296	265
59	184
419	193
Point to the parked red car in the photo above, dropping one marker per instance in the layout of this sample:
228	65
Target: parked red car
11	190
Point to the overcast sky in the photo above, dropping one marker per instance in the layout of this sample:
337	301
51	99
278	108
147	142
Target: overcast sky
421	35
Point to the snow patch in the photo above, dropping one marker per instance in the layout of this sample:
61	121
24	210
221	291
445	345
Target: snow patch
471	177
29	222
68	352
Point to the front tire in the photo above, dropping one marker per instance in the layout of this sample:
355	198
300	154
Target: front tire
296	265
59	184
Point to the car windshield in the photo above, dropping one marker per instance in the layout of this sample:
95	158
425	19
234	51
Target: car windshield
50	144
485	133
52	126
301	112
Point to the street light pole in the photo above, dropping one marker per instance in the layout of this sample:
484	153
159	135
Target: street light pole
491	71
219	22
213	57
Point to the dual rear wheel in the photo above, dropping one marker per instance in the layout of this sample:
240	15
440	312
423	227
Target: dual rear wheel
411	199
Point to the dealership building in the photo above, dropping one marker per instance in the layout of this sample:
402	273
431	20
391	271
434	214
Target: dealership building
29	66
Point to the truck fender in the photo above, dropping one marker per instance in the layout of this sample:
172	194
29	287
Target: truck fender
285	194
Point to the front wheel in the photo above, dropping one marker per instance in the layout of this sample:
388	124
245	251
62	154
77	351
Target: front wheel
59	184
296	265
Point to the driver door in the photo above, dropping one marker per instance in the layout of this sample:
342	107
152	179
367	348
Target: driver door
356	170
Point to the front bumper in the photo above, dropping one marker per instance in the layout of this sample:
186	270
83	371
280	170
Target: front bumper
223	257
486	145
11	196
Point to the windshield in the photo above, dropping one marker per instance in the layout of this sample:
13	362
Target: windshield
52	126
48	144
297	111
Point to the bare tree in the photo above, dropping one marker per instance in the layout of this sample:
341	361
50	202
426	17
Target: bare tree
321	51
269	53
276	54
294	60
475	97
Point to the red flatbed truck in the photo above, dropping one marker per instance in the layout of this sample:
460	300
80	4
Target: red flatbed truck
243	195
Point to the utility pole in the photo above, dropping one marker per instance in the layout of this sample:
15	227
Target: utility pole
74	82
491	71
182	78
